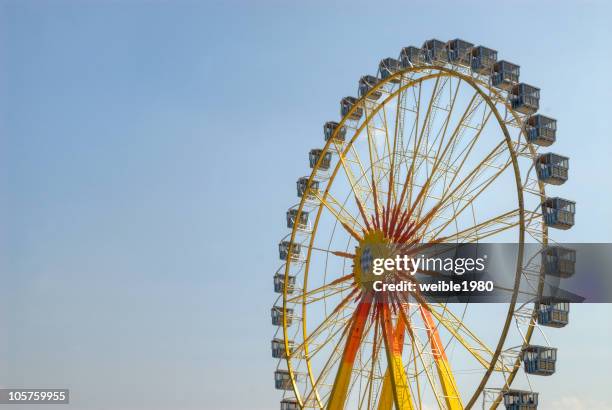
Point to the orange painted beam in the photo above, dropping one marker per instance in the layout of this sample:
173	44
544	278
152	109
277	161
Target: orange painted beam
353	343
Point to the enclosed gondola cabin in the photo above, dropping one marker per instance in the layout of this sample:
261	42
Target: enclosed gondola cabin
346	106
289	404
330	128
366	83
412	56
285	246
541	130
559	261
520	400
559	213
292	219
279	283
552	168
483	60
387	67
553	312
314	156
525	98
460	52
277	316
282	380
505	75
435	51
278	348
540	360
304	189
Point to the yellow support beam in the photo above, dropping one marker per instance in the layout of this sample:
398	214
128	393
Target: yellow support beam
397	374
386	395
447	380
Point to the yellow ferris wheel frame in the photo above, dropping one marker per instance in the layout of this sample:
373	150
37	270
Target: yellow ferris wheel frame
395	389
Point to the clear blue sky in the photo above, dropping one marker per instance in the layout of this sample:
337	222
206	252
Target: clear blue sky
149	150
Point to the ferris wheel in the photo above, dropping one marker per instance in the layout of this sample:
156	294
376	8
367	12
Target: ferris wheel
442	145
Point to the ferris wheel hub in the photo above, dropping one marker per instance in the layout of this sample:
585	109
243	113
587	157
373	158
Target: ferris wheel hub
375	246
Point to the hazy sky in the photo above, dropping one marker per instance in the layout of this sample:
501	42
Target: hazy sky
149	151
